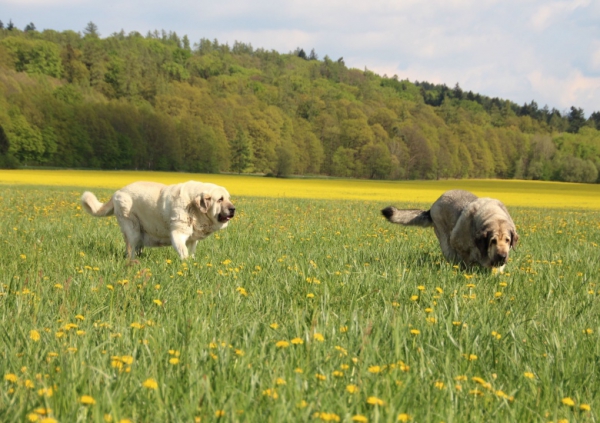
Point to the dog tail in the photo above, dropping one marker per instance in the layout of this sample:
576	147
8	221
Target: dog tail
90	204
408	217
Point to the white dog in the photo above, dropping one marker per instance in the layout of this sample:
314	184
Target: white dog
151	214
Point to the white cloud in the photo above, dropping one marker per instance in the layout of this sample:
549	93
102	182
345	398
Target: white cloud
547	14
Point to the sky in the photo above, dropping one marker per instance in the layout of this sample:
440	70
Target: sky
520	50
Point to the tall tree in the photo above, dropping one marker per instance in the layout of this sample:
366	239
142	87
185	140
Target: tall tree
91	29
241	153
576	119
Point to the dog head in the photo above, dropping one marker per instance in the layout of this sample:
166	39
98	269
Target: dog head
216	204
495	242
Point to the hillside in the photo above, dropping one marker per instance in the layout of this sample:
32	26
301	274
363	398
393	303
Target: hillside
159	102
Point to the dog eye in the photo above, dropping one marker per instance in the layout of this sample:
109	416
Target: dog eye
494	241
221	200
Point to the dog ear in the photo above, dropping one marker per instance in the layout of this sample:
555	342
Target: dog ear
482	242
203	202
514	238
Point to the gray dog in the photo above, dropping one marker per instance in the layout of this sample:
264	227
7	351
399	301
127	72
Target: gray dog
470	230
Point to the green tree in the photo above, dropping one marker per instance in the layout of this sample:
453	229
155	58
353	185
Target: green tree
377	161
25	141
241	153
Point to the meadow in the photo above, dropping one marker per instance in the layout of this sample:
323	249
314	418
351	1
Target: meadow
303	309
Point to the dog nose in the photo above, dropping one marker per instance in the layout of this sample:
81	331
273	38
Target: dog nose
231	211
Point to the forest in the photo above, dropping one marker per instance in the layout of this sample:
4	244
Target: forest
162	102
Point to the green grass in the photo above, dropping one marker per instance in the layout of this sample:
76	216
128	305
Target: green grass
57	263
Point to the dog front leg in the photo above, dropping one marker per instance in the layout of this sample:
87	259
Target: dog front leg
191	246
178	240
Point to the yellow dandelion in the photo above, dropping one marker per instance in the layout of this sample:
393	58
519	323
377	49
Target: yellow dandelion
219	413
87	400
585	407
415	331
320	376
298	370
319	337
439	385
403	417
280	381
150	383
11	377
414	297
310	295
529	375
352	389
297	341
273	325
157	302
568	401
374	369
343	329
282	344
34	335
375	401
327	417
359	418
174	360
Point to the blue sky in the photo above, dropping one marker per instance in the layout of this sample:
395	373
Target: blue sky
520	50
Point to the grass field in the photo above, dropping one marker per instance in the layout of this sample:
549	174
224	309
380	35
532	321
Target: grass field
301	310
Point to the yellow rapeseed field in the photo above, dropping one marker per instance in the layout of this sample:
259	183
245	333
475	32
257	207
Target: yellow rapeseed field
511	192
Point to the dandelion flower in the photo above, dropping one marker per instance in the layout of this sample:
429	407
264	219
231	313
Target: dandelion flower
34	335
219	413
359	418
174	360
150	383
375	401
585	407
568	401
282	344
297	341
327	417
319	337
529	375
87	400
374	369
352	389
403	417
415	331
11	377
320	376
157	302
273	325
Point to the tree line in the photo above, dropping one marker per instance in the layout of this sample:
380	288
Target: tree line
160	102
